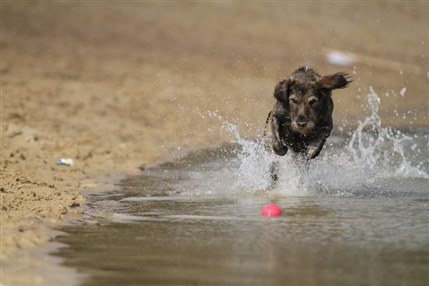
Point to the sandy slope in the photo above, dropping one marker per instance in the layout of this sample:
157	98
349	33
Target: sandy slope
115	86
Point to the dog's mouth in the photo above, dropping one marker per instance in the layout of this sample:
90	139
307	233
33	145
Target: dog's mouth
303	128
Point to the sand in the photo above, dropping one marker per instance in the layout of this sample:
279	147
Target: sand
119	86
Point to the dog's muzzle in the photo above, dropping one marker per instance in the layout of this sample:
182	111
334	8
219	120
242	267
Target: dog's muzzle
302	126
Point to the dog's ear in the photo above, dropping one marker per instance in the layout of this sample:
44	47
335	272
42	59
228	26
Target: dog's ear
334	81
282	90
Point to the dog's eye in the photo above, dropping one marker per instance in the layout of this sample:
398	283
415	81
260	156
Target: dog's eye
312	100
293	100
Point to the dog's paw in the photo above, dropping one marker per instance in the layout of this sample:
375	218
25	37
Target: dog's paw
279	149
311	153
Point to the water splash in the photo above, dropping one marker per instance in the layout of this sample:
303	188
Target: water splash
371	155
253	160
371	160
383	151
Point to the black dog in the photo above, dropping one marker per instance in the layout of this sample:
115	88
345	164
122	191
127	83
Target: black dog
302	116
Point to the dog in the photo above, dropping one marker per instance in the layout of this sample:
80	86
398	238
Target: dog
301	119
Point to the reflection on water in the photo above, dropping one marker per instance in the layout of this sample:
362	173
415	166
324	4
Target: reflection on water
357	216
319	241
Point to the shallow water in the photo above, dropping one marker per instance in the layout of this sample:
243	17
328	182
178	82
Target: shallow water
357	215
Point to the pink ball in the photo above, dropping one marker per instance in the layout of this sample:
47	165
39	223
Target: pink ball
271	210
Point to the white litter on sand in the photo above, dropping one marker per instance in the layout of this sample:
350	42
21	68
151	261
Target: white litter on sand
340	58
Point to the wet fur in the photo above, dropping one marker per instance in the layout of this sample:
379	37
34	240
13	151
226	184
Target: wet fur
301	119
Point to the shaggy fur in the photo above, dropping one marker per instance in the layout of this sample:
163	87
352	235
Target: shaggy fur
301	119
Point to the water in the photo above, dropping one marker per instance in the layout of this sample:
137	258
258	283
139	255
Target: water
358	215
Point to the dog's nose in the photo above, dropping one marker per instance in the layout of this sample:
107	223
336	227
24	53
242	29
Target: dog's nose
301	123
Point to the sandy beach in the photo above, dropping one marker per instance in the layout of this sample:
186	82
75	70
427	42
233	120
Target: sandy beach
117	86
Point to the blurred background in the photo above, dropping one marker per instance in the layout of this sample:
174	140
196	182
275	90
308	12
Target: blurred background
157	75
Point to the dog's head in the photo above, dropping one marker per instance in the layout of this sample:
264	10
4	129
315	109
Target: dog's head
307	97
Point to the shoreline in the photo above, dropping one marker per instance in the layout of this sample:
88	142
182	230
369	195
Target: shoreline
28	233
33	251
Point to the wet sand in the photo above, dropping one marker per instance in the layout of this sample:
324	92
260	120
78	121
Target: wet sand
117	86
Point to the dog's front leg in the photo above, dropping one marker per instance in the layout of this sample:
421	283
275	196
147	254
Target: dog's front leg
316	145
314	149
278	146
